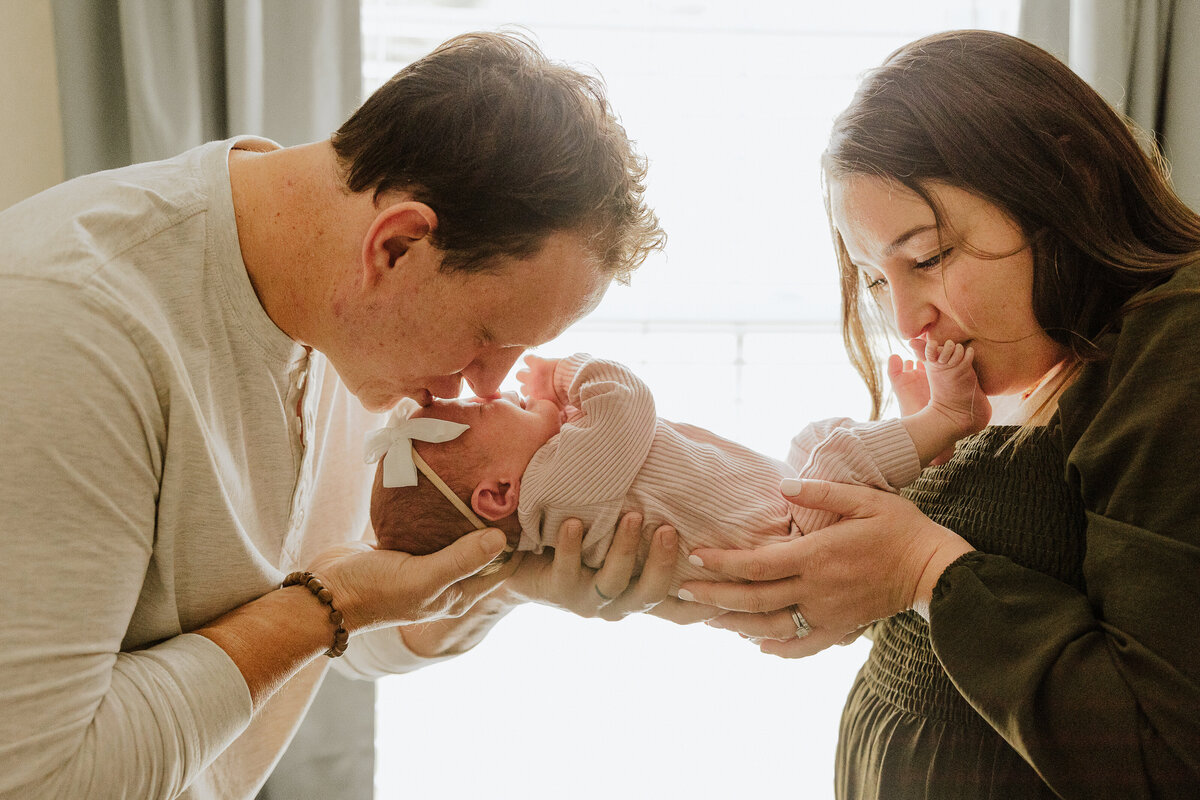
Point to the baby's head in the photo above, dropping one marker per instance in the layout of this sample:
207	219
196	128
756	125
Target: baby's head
483	466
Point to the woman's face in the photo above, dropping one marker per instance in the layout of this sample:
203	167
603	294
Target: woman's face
949	289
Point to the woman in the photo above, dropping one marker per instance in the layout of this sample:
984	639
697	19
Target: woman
1037	594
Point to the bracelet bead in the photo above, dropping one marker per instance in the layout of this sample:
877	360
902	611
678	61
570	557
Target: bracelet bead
341	638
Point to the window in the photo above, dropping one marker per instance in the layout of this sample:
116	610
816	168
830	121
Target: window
735	328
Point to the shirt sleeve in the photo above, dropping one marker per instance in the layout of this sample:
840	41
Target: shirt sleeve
80	456
381	652
1100	690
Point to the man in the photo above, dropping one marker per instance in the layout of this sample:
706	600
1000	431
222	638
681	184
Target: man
192	351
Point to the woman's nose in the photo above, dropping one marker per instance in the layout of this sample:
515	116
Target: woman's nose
485	374
912	312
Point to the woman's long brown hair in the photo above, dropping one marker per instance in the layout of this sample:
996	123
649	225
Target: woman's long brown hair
1001	118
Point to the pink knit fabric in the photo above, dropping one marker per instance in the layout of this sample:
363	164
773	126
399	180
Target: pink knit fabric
614	455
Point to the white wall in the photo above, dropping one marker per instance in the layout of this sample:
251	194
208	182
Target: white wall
30	131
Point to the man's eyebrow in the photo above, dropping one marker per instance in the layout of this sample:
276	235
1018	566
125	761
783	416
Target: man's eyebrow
904	237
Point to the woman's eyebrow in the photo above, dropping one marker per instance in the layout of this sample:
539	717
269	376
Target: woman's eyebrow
904	237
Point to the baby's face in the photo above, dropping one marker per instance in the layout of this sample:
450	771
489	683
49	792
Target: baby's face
508	428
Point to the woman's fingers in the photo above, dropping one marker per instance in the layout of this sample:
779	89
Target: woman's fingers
843	499
775	633
683	613
784	559
767	563
814	643
773	625
753	598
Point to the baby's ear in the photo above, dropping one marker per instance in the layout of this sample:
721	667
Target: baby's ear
495	499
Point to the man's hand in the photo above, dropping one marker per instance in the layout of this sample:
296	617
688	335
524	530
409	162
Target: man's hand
377	588
611	592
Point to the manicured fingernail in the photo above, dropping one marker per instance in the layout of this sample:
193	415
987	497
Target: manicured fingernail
695	561
667	539
790	486
687	596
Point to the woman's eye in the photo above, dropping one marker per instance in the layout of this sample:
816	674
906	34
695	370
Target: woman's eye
876	284
935	261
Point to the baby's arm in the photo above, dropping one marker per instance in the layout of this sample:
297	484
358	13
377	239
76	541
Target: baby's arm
956	405
589	466
537	380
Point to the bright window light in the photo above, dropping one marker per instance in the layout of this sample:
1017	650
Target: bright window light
735	328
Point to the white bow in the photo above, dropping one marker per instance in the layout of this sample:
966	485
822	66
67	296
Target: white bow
394	445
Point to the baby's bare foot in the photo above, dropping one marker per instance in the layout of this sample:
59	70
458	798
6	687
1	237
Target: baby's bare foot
954	387
909	384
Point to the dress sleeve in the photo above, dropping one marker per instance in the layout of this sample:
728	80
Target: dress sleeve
1100	690
80	457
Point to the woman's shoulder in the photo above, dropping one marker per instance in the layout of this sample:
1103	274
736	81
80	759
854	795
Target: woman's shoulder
1151	369
1165	316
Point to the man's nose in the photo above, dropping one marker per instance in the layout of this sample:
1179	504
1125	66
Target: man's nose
485	374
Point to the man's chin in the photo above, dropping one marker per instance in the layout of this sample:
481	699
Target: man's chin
378	402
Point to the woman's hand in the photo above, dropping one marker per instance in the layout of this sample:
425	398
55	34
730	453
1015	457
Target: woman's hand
883	557
560	578
375	588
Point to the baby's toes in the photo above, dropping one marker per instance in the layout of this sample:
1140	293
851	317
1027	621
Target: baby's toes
951	355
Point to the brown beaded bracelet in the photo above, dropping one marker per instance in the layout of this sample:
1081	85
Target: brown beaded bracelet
341	639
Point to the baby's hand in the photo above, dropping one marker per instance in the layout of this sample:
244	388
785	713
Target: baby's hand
537	379
910	383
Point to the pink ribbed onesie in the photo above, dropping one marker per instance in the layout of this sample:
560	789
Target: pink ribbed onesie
614	455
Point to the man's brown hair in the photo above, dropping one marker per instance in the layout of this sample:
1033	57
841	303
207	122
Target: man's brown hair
507	147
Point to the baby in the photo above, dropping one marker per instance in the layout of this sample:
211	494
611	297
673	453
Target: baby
584	442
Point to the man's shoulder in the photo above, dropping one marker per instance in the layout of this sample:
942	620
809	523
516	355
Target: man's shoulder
68	231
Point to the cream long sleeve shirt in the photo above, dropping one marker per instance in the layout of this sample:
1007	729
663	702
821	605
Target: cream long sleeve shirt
166	454
614	455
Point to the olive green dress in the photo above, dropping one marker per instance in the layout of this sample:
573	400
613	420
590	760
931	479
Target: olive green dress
1062	659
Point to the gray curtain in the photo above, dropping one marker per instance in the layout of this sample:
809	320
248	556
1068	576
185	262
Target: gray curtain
146	79
1142	56
142	80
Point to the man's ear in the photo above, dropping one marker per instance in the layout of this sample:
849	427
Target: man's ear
495	499
396	229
